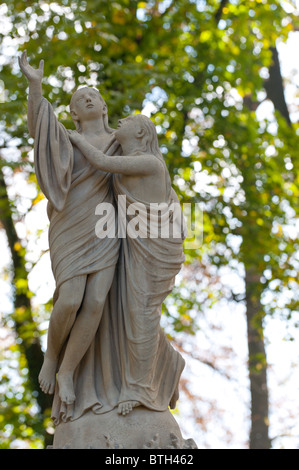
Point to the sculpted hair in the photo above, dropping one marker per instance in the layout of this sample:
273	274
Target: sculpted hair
105	117
150	144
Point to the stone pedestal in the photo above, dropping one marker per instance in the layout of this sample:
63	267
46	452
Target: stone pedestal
141	429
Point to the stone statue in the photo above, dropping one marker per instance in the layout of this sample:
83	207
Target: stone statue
107	356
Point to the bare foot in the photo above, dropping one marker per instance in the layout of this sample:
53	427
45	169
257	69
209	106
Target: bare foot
47	376
66	387
126	407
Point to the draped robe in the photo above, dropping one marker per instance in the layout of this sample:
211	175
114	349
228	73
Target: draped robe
73	195
150	367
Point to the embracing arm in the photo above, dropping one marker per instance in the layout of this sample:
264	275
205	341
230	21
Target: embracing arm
126	165
34	77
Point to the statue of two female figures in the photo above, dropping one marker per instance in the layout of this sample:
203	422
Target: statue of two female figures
106	349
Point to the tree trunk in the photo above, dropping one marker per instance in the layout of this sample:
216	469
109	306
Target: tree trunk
259	434
274	87
30	344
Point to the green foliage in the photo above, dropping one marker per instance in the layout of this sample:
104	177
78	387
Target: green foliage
195	66
20	421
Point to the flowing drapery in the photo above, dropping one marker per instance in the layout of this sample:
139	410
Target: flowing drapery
150	367
130	357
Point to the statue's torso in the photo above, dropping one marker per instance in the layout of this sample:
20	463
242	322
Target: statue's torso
147	188
100	142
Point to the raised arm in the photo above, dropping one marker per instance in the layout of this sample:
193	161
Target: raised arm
126	165
34	77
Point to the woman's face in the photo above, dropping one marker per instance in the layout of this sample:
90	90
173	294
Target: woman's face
87	104
127	128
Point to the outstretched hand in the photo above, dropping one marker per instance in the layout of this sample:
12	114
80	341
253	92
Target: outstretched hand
33	75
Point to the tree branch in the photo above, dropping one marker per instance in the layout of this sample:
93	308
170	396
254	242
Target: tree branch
219	12
274	87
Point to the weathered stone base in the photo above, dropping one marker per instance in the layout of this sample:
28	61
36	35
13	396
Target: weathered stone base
141	429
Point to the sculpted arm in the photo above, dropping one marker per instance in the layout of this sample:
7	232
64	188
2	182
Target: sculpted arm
127	165
34	77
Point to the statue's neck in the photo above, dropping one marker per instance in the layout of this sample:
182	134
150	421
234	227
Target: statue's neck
93	127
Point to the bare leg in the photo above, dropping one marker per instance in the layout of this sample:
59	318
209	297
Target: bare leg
62	319
84	329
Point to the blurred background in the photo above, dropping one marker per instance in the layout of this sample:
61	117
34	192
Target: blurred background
220	81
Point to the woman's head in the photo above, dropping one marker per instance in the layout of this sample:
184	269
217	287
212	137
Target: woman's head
88	104
142	129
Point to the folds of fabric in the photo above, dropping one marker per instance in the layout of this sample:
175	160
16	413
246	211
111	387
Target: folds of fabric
75	248
150	367
130	357
53	154
74	245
